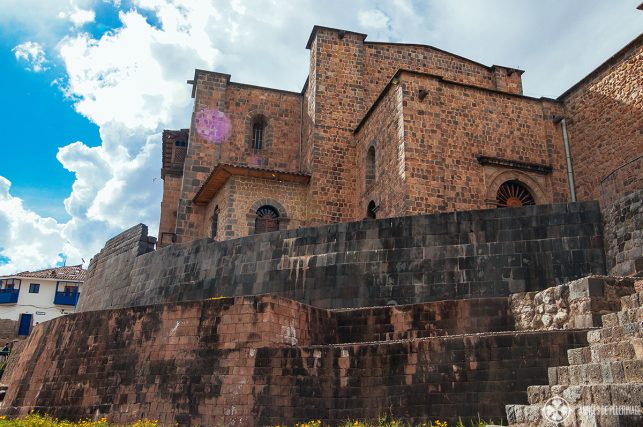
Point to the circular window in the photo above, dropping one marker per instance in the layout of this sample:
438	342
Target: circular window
513	194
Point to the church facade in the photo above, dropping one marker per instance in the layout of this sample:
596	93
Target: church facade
385	130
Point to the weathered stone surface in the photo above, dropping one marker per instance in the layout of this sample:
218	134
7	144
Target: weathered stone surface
264	360
624	234
603	383
577	304
486	253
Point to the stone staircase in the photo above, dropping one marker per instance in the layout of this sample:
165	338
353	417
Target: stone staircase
603	384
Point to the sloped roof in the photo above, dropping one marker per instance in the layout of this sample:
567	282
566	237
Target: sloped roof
75	273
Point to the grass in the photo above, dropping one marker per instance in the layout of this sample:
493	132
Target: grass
36	420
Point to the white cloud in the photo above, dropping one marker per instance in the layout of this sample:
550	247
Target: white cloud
33	54
28	239
374	18
77	16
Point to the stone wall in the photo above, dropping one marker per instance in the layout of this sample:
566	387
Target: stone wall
8	330
264	361
240	198
624	234
487	253
108	273
384	131
574	305
606	117
382	60
449	129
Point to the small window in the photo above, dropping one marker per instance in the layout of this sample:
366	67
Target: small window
34	288
258	133
180	143
267	220
370	167
371	210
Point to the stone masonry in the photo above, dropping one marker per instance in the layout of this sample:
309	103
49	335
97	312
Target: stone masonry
487	253
264	360
603	384
448	135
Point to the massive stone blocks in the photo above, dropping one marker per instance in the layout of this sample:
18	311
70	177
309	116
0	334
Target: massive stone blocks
264	360
487	253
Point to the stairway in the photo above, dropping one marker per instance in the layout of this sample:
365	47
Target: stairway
603	384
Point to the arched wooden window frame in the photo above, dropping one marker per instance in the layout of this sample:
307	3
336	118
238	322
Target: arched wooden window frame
283	218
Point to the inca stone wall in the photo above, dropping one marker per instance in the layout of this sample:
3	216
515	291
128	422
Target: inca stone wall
574	305
264	360
112	266
624	234
487	253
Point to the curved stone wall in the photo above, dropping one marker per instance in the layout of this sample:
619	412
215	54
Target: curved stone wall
624	234
485	253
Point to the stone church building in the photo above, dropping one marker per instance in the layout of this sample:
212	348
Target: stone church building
453	303
385	130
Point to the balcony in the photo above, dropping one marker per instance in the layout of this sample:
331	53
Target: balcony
66	298
9	296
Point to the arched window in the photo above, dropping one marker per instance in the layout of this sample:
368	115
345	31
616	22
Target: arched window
267	220
513	194
371	210
370	167
258	132
215	222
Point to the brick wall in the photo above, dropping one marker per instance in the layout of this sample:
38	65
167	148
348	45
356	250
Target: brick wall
266	361
382	60
454	124
605	112
169	205
383	130
473	254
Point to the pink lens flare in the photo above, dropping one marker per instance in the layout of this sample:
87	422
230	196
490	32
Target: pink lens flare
212	125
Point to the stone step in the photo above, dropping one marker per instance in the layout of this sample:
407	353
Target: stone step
632	301
627	371
589	394
605	416
615	333
630	315
627	349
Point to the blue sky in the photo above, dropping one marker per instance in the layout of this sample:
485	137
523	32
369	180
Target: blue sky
89	85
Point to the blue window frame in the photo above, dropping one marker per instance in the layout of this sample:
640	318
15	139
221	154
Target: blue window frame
34	288
9	289
67	293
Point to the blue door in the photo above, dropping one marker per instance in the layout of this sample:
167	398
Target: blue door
25	324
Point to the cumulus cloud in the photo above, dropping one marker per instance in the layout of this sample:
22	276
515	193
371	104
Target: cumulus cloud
33	54
28	239
77	16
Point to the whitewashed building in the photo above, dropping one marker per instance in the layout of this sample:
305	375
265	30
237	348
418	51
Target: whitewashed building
32	297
